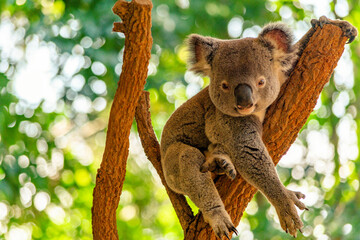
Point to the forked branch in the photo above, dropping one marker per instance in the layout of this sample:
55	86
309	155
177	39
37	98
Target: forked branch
283	121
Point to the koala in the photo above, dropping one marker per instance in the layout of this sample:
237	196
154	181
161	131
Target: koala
219	130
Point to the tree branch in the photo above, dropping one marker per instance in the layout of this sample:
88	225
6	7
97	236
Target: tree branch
111	174
152	150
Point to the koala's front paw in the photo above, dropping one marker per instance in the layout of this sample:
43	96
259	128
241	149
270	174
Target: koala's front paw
219	164
348	30
289	219
220	222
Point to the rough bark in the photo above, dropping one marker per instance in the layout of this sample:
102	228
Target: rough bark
283	122
136	25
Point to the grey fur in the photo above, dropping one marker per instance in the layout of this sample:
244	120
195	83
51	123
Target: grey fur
200	62
211	131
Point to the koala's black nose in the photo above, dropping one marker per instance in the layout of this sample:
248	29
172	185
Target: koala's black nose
243	95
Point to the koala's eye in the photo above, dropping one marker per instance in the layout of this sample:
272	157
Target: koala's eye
225	86
261	82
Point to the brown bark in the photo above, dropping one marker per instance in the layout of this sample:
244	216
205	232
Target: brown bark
136	25
283	121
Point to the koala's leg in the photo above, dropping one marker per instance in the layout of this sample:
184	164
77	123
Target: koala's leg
253	163
181	165
218	161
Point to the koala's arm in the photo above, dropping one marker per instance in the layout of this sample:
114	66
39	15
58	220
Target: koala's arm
252	161
254	164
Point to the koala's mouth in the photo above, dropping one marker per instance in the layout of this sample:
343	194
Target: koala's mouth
245	110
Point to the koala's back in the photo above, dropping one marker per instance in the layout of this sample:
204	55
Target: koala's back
187	123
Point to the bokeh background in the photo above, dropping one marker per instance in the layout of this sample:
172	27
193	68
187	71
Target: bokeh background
59	67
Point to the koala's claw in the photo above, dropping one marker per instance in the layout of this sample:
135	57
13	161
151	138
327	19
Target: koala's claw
220	222
219	164
289	219
296	200
234	230
323	20
220	233
351	39
348	30
299	195
314	23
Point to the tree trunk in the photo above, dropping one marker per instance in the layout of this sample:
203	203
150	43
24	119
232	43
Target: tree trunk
110	176
283	121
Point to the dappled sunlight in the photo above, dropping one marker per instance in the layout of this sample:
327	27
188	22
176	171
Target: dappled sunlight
4	210
56	214
22	232
235	27
244	229
62	63
43	76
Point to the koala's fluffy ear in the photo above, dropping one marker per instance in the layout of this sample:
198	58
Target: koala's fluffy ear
279	35
202	51
279	38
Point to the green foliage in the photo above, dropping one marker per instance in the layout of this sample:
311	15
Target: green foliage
59	67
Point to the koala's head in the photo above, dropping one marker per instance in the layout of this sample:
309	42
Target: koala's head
245	74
